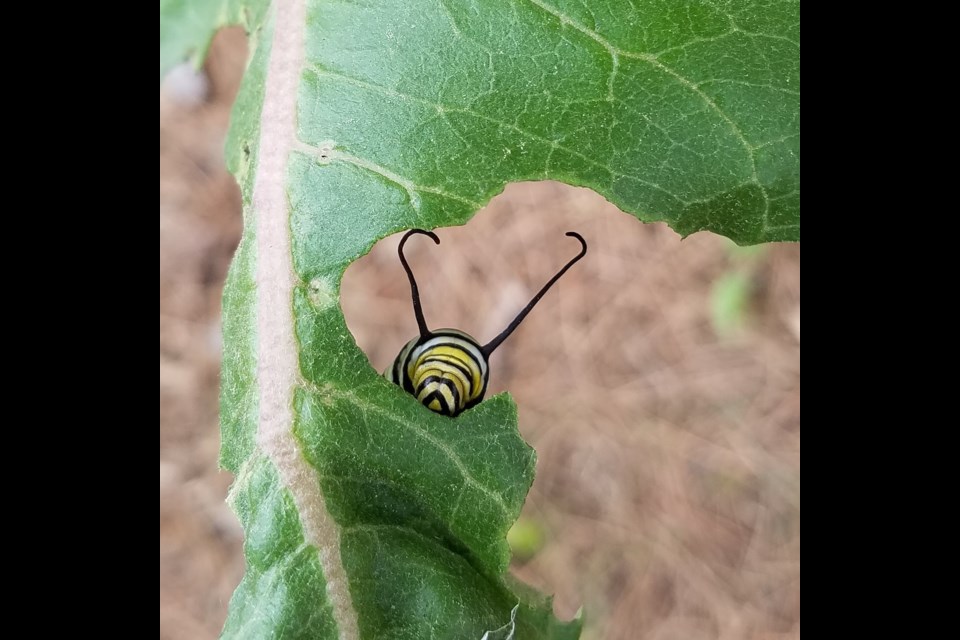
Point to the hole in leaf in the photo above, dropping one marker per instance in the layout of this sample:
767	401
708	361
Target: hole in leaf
483	273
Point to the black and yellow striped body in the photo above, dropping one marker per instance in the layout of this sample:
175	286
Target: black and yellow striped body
445	370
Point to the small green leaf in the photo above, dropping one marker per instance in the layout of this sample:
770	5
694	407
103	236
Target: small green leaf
526	538
366	515
728	303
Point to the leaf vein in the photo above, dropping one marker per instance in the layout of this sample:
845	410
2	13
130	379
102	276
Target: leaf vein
654	62
325	156
365	405
445	109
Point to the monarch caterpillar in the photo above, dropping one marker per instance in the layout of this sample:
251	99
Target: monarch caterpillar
447	370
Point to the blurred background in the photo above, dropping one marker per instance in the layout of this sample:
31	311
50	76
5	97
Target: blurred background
659	382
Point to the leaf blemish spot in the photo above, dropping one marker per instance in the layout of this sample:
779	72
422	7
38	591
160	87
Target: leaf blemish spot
321	293
325	151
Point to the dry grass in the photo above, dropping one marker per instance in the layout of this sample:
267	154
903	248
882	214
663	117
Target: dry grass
668	482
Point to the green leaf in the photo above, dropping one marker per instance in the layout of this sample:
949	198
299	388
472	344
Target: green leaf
188	26
728	303
730	294
526	538
366	515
